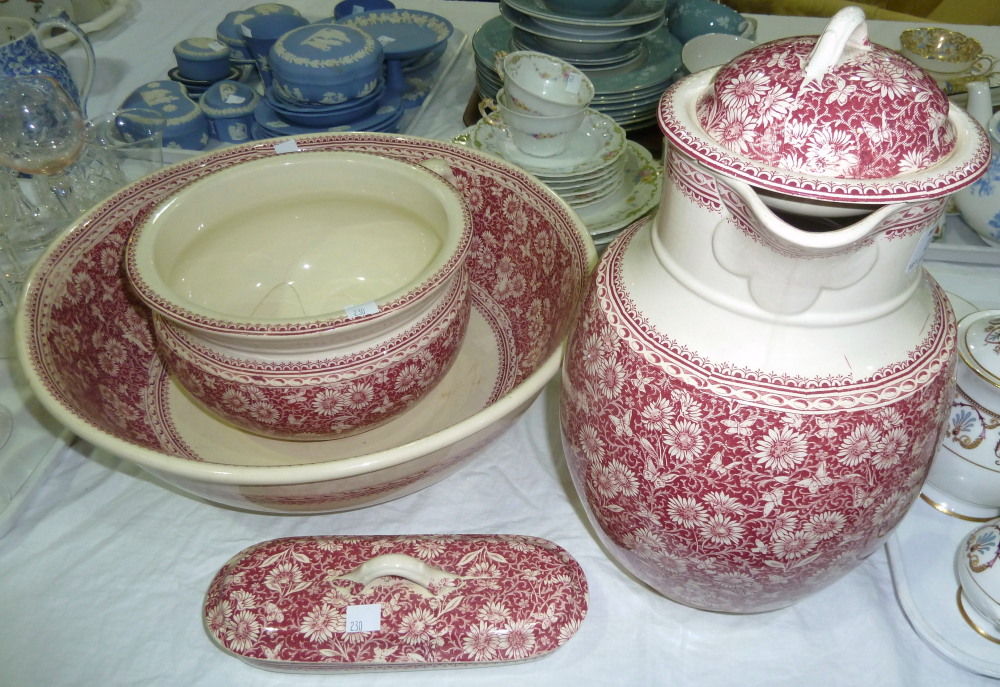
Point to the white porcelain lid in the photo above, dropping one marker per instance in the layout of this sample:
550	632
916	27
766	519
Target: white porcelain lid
980	343
833	117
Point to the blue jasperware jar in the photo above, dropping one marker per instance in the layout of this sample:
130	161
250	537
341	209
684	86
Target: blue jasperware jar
202	59
230	29
229	106
325	64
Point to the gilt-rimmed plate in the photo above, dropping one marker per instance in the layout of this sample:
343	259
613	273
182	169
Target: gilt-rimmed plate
636	197
597	143
921	554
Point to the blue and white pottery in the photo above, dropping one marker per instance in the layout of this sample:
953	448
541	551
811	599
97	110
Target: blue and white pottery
326	116
979	203
230	29
229	106
22	53
326	64
202	59
186	124
404	34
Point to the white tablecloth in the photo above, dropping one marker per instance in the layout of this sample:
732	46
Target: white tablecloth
103	573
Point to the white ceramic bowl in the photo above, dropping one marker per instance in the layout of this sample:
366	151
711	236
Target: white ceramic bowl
307	296
965	476
976	563
88	350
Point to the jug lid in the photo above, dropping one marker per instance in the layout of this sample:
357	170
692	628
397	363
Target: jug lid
831	117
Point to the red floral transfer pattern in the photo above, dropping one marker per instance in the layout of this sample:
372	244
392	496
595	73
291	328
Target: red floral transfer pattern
875	116
740	492
93	343
90	340
873	128
323	398
284	604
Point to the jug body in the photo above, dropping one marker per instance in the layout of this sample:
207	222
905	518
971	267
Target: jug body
22	52
749	407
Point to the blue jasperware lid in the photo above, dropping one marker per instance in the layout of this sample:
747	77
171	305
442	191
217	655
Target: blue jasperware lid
201	49
340	49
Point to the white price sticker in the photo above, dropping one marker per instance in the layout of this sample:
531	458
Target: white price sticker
289	146
355	311
386	40
234	99
364	618
573	83
216	45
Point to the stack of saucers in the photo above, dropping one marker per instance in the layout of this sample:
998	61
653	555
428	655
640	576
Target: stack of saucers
276	116
608	180
629	55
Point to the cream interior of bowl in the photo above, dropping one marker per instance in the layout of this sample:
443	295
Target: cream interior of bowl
299	236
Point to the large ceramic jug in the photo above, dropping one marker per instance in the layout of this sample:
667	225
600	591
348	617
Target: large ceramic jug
760	373
979	203
22	52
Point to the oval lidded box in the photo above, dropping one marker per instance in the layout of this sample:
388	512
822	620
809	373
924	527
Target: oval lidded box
186	124
229	106
333	603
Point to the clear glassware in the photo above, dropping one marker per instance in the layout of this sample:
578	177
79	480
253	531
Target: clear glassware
52	175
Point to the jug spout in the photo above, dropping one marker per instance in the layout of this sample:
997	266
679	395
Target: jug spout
758	261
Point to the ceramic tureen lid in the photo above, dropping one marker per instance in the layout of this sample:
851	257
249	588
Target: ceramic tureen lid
335	603
833	117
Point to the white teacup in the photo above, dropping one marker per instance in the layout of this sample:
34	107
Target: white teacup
533	134
543	84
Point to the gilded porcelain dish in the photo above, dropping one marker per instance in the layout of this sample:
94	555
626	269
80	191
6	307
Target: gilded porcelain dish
637	196
597	142
921	561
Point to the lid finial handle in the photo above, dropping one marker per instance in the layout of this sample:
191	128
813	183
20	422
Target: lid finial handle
846	30
398	565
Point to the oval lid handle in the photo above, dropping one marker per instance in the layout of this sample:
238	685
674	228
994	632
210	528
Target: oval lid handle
845	34
398	565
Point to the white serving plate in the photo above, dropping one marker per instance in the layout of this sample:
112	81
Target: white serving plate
921	558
